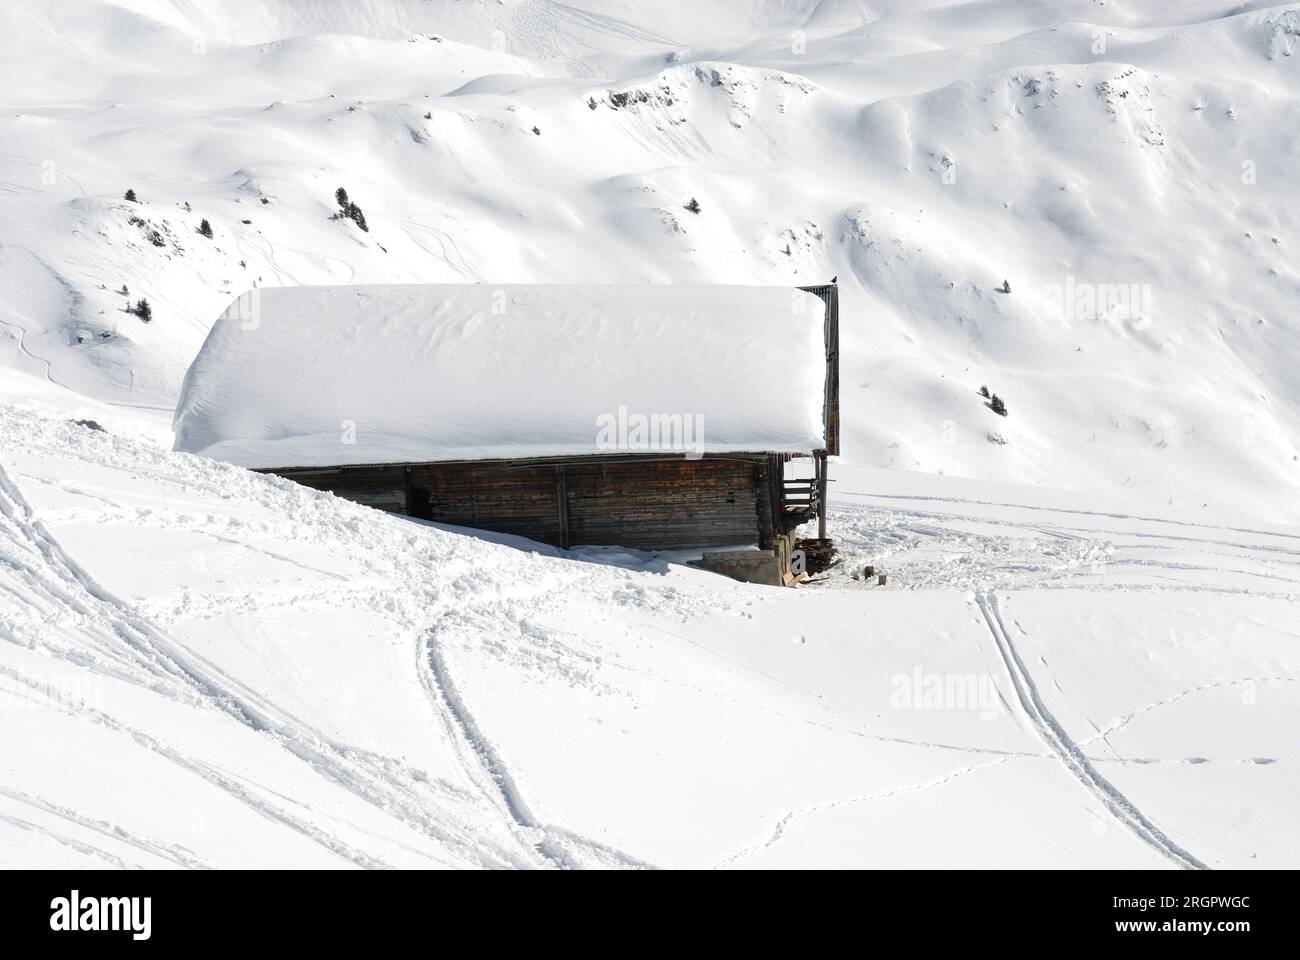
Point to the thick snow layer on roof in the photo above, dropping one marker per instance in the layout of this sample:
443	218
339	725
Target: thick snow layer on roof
317	376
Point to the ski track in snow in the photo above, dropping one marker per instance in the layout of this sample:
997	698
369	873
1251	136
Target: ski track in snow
1077	512
226	782
460	613
539	844
462	268
951	557
1058	741
148	647
484	198
483	761
63	839
171	853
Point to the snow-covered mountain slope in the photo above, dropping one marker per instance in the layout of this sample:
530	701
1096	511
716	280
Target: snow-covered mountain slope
201	666
1128	168
208	667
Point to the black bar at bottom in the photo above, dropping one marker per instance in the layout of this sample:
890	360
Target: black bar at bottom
669	910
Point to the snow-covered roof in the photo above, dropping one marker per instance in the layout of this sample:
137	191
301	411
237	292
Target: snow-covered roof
324	376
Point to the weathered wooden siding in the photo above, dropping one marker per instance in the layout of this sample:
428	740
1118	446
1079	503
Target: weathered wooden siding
506	498
682	503
643	503
383	487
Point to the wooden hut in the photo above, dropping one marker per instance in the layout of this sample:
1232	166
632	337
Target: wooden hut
651	417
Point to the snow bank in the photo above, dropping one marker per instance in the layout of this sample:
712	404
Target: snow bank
253	674
313	376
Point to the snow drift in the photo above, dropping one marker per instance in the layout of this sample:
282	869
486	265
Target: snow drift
315	376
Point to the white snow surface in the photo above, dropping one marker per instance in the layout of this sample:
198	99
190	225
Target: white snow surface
921	150
1087	650
204	667
313	376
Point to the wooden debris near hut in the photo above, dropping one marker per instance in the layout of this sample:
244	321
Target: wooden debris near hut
819	555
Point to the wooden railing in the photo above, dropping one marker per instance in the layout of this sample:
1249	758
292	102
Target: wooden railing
799	496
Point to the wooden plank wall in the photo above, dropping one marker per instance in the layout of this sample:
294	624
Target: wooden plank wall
641	503
505	498
677	503
382	487
636	502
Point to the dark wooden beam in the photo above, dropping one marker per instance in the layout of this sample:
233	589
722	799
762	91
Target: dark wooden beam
821	494
830	296
562	504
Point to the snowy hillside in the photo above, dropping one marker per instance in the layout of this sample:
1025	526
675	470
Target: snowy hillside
1086	650
207	667
1129	168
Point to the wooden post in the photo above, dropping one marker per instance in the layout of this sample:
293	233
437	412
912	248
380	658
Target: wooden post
562	503
821	494
768	486
830	296
832	340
